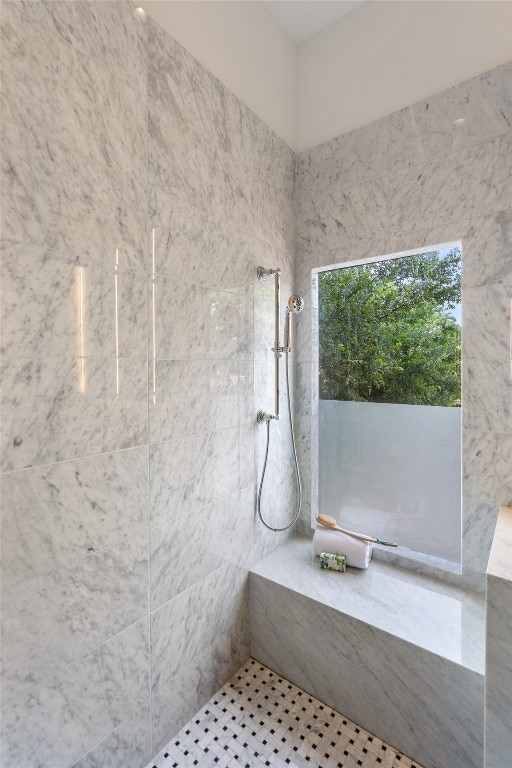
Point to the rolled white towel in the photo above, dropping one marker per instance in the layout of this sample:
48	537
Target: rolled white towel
358	553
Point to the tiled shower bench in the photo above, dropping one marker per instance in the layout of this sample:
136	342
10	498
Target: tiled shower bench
399	653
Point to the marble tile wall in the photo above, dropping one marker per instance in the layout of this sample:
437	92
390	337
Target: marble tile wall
138	198
414	179
498	664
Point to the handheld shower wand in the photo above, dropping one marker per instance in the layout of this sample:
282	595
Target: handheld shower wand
294	306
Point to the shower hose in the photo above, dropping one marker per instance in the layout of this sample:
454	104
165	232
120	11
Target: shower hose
297	473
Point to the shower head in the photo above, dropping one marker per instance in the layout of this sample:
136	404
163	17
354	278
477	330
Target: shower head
295	304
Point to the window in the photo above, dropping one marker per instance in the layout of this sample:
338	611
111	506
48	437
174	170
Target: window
390	397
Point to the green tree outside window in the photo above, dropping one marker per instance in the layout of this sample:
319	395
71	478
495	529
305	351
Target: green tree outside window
388	333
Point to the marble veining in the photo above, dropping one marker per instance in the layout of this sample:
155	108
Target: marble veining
487	396
483	237
55	514
115	231
108	32
180	698
53	619
209	397
79	103
61	408
487	322
429	128
67	714
439	618
180	84
344	216
184	627
351	158
55	197
185	550
60	305
445	183
404	694
193	246
431	193
185	166
192	472
498	698
128	745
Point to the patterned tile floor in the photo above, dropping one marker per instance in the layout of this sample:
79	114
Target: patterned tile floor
260	719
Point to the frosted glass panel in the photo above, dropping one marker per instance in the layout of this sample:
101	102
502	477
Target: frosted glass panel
393	471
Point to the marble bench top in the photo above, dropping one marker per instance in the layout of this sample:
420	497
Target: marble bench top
440	618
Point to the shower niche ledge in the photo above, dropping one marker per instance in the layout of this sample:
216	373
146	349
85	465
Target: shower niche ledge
397	652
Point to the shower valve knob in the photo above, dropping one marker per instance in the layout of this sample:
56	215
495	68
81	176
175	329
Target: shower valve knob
263	416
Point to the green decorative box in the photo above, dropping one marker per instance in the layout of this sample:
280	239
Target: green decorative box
333	562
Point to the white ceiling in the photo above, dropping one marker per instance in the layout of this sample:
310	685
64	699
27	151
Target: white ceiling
302	18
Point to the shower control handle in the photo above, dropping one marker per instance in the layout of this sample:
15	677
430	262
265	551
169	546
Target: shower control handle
263	416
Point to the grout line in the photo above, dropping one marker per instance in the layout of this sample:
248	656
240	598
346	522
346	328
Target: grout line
70	565
132	714
306	255
287	252
76	660
305	198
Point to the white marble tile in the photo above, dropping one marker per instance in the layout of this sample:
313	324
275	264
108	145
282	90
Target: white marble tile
55	197
55	514
416	609
188	548
487	484
67	714
343	217
185	166
498	698
404	694
107	31
428	128
462	185
178	398
180	319
64	306
487	395
62	408
498	737
52	620
246	400
194	247
180	84
191	472
78	102
128	745
348	159
230	323
193	396
246	457
305	343
487	244
181	698
487	322
264	316
184	627
272	215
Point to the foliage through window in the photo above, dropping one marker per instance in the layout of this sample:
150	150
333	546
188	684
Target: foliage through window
390	331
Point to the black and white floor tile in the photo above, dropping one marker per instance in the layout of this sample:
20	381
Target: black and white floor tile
260	719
